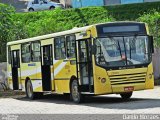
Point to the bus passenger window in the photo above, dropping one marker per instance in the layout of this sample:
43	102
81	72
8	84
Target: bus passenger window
60	50
26	55
36	52
71	46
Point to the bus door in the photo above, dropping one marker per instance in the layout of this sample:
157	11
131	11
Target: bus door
84	64
15	69
47	68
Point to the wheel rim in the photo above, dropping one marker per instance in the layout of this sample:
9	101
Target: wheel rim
75	93
29	89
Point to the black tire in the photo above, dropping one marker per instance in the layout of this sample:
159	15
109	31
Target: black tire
29	91
52	7
75	94
30	9
126	96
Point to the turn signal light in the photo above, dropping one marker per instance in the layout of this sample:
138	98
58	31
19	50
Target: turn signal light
103	80
150	76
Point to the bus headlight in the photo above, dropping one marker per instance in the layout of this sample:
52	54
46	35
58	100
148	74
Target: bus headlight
103	80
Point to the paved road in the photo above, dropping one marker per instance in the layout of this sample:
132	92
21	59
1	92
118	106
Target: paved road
20	5
142	102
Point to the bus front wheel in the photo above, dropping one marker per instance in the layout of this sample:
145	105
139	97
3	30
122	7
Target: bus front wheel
29	91
126	96
76	95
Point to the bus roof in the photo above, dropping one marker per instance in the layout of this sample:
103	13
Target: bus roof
74	30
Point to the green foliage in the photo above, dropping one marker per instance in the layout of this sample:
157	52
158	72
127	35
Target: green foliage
15	26
6	22
153	21
9	29
45	22
6	26
131	11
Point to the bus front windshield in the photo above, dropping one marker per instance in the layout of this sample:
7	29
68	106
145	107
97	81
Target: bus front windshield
122	51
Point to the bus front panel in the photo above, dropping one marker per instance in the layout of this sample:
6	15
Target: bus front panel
119	81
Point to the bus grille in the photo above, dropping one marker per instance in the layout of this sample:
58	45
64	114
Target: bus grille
128	78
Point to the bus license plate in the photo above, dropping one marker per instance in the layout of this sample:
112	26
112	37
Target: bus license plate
130	88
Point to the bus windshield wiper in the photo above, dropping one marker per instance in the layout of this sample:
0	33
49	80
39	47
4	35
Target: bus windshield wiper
118	45
130	50
120	49
130	45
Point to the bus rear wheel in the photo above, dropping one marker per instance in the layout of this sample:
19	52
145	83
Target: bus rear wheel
29	91
76	95
126	96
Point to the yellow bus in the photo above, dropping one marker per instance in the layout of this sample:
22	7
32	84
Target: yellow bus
108	58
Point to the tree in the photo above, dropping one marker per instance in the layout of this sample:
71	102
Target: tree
6	28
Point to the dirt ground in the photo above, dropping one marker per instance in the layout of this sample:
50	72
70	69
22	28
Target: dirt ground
20	5
11	94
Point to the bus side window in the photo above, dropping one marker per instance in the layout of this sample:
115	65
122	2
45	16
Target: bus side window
60	50
71	46
26	52
35	51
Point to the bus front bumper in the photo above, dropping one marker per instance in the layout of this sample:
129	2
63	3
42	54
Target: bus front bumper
128	87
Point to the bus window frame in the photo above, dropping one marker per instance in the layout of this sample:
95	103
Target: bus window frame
67	55
55	47
51	54
23	53
35	51
17	58
128	66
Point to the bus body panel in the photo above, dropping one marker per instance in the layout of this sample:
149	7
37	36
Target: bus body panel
37	85
9	75
62	86
61	77
104	81
118	80
99	87
149	84
63	71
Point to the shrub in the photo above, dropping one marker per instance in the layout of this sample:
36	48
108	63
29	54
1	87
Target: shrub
45	22
131	11
9	29
153	21
6	27
14	26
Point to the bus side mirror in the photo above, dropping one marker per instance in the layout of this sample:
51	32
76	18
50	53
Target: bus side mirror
94	49
151	43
